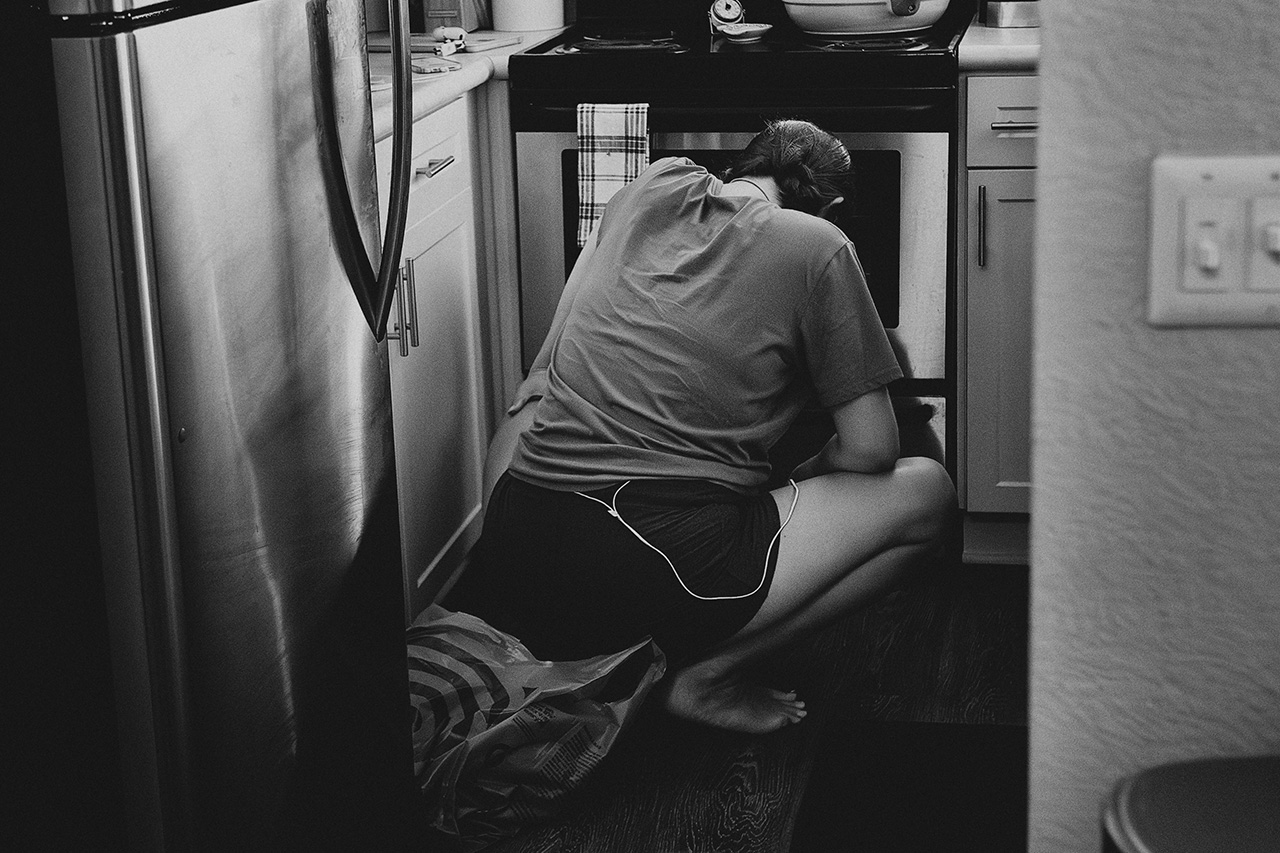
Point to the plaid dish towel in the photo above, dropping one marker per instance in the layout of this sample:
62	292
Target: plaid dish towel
613	147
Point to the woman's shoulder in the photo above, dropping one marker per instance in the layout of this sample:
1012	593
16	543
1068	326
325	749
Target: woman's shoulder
669	176
675	164
672	169
808	232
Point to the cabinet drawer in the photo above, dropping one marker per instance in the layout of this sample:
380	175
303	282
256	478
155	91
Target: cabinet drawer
441	162
1003	120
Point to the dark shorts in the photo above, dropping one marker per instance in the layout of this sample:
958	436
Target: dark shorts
558	571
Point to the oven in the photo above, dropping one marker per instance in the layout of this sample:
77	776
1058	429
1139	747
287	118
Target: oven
897	220
893	104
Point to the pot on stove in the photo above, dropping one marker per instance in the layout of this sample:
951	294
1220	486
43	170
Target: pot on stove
863	17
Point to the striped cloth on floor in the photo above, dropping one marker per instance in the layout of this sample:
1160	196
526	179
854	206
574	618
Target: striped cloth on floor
613	147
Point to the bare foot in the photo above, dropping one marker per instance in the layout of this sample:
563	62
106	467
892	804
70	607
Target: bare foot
728	702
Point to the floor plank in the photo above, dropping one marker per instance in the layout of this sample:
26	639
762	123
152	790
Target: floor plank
910	787
947	651
927	749
937	669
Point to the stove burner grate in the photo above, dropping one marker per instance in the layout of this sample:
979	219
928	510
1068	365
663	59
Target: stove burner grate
870	44
638	42
612	34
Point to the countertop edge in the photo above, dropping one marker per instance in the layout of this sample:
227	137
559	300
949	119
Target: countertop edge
528	41
429	94
433	91
1028	60
984	48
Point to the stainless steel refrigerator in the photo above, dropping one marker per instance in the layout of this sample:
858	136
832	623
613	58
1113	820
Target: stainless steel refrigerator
218	160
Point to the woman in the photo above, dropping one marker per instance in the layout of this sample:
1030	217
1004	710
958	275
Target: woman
702	315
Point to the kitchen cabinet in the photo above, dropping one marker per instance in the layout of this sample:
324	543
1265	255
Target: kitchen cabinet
1000	125
998	355
438	386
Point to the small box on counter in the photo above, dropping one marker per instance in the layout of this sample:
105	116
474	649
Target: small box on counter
470	15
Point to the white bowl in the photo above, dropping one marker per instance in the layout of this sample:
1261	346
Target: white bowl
860	17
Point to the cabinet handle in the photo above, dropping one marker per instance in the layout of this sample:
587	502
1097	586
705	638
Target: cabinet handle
1015	126
982	225
435	167
411	284
402	331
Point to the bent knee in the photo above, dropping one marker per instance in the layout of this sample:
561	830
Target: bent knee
931	497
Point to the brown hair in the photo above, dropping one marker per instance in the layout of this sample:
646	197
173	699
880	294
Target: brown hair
811	167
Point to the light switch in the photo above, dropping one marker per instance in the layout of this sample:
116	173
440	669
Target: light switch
1215	241
1264	253
1211	254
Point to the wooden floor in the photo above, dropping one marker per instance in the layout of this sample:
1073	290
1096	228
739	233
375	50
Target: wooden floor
913	696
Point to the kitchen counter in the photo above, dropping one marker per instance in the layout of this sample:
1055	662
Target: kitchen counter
433	91
986	48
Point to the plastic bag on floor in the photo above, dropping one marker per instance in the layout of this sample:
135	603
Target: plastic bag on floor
500	737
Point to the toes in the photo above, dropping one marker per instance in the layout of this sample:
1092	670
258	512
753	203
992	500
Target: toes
791	708
782	695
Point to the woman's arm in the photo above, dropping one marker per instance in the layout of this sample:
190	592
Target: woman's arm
535	384
865	441
520	414
503	447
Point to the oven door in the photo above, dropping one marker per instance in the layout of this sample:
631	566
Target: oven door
897	222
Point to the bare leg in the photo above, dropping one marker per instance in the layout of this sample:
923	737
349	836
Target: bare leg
852	537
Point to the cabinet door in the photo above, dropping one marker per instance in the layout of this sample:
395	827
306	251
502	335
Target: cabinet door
436	395
998	369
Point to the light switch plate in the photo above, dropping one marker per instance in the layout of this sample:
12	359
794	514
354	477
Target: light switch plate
1212	258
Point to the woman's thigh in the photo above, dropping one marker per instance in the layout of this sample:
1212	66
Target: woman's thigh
842	520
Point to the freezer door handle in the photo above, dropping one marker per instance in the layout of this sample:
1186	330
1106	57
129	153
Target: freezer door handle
406	328
374	289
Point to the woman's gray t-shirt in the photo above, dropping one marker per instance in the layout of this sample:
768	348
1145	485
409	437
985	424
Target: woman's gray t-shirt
703	326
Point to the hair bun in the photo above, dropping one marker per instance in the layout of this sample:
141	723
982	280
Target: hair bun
800	170
811	166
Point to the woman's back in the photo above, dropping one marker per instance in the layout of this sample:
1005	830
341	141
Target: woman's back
688	347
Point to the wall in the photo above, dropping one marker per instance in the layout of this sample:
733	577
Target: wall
1156	533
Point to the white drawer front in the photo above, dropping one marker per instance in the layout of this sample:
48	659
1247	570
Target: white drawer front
1003	121
441	165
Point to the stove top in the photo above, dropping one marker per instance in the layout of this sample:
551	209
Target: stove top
693	78
622	55
602	37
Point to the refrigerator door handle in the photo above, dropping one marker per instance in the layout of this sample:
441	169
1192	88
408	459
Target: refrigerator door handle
404	331
413	302
374	289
